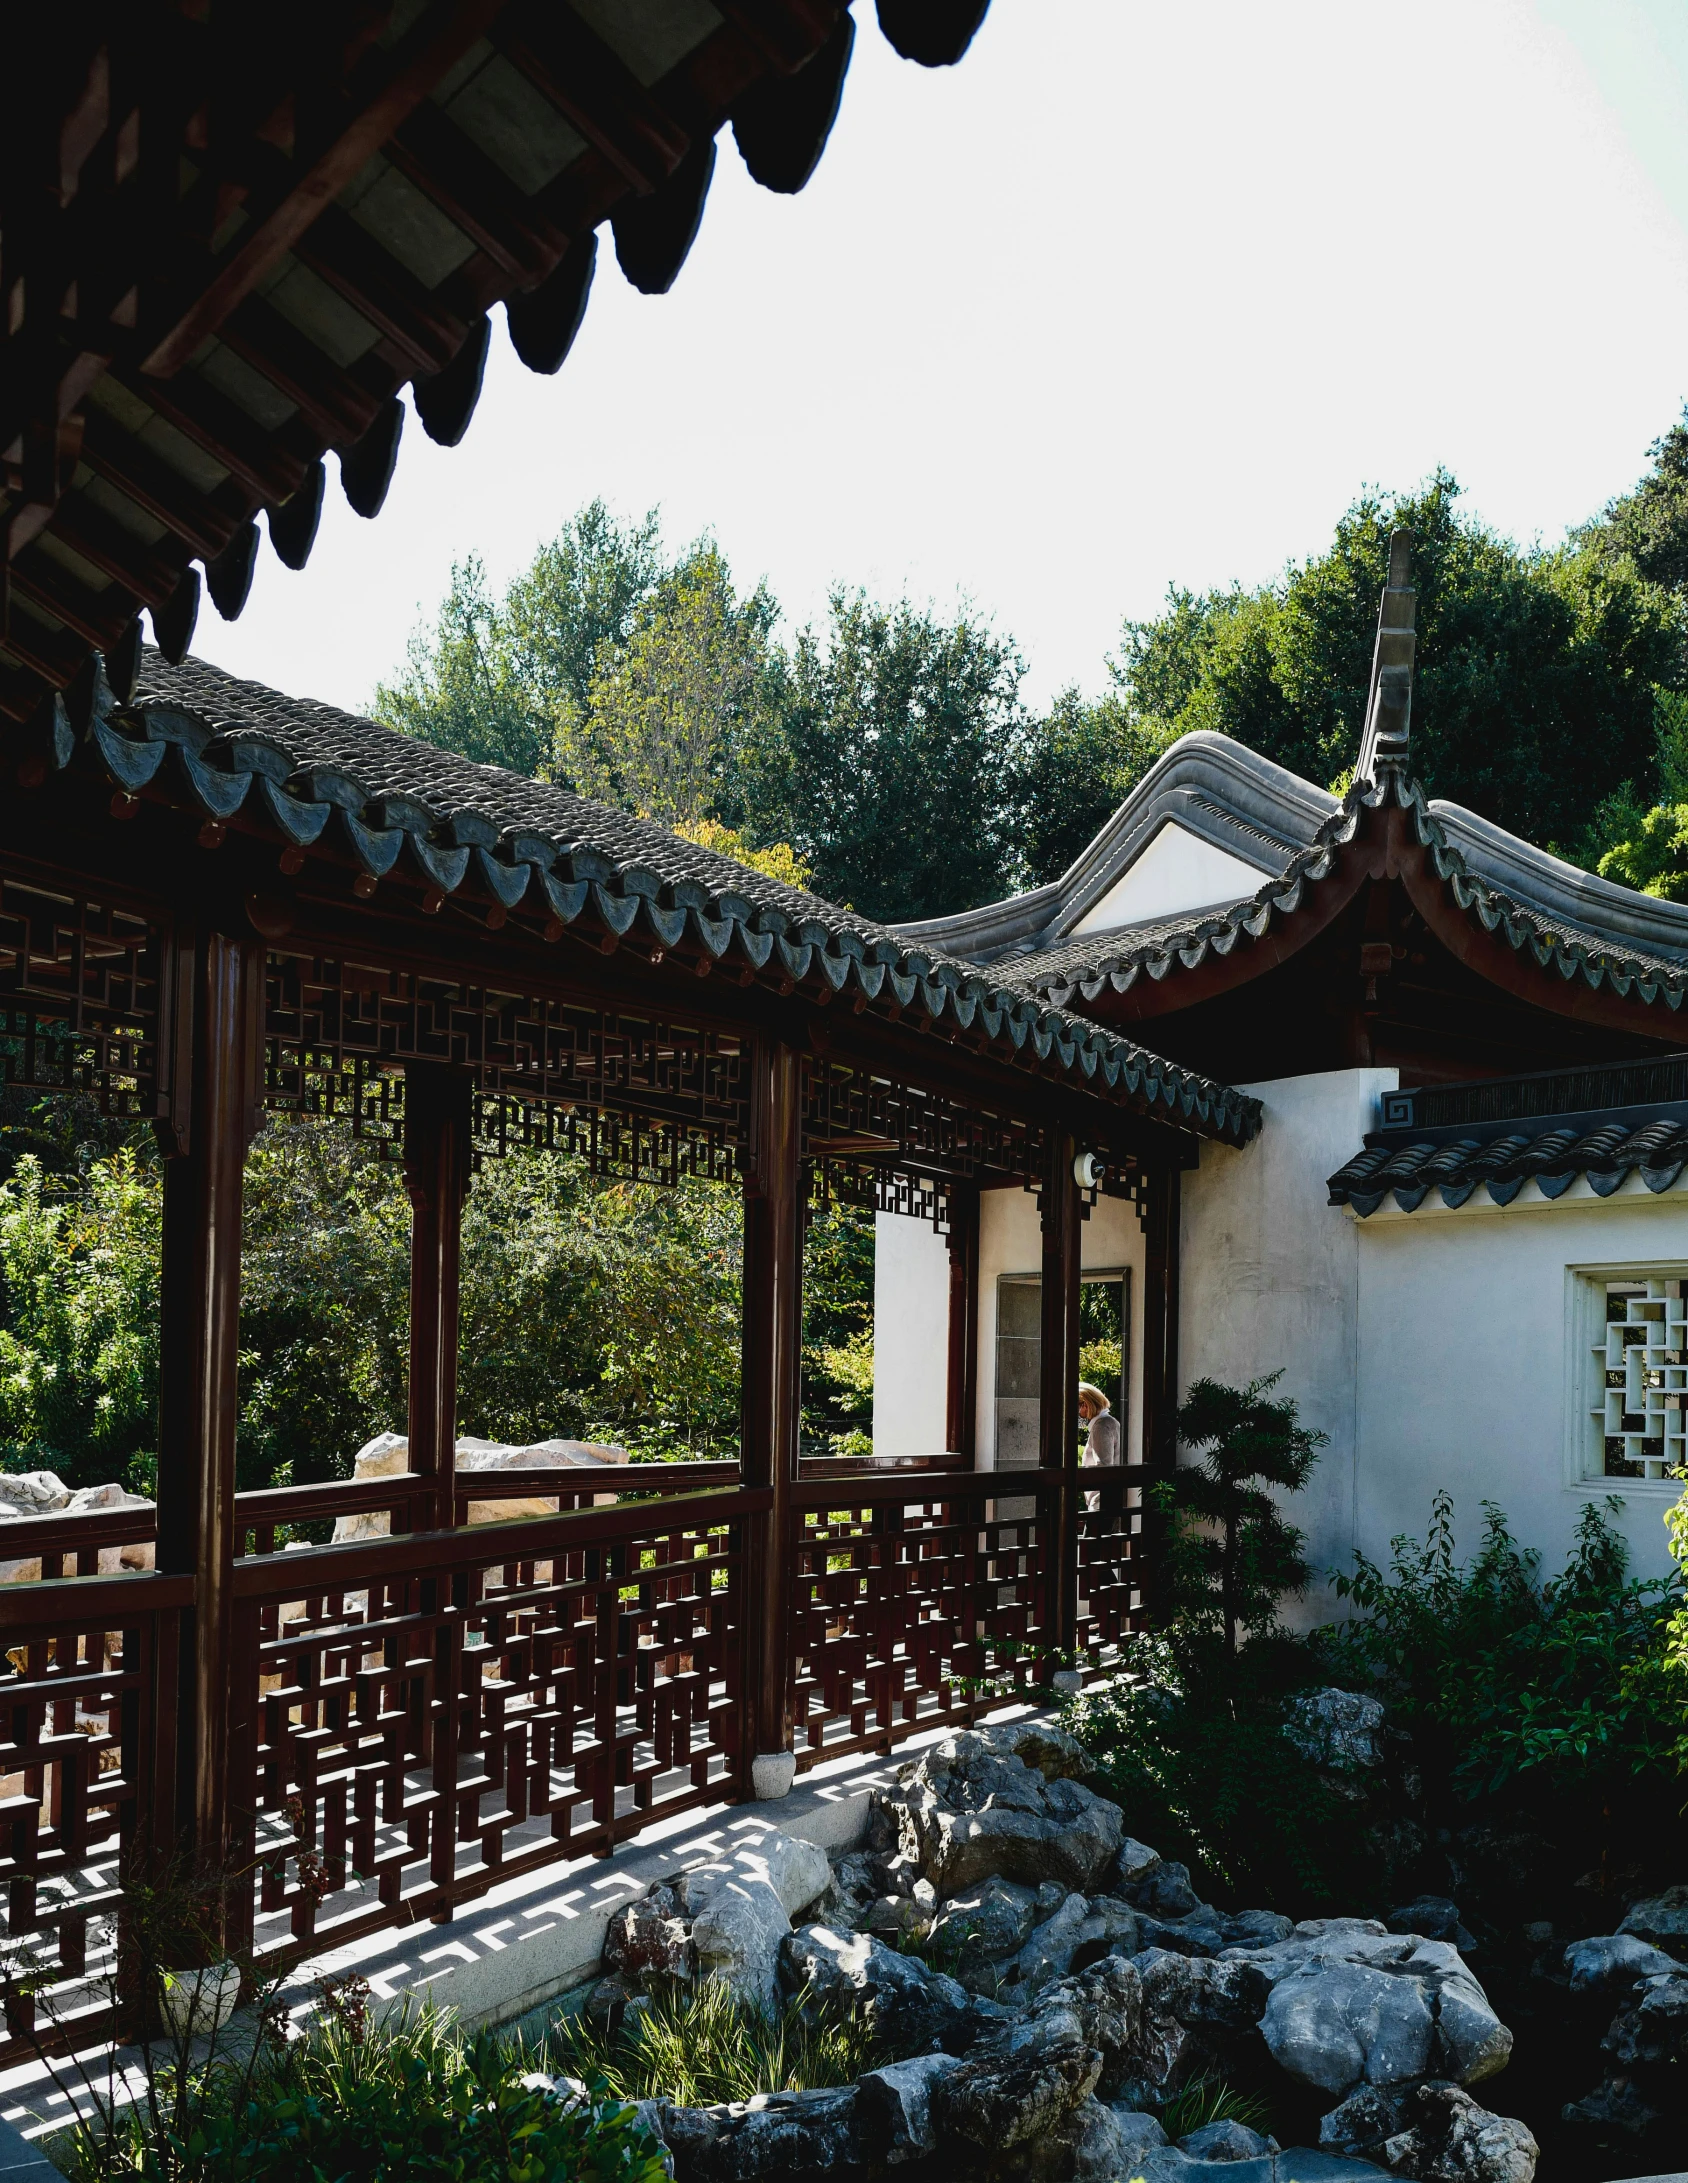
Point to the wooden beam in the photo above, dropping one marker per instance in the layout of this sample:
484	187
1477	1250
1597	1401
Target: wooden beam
150	572
338	404
436	1175
258	459
773	1333
219	982
438	41
425	331
99	618
1163	1220
205	522
433	153
572	67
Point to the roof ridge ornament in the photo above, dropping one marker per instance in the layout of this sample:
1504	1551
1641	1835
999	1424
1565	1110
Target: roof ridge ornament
1389	702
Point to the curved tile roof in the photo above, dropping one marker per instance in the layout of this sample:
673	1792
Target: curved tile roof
386	801
1570	922
1552	1158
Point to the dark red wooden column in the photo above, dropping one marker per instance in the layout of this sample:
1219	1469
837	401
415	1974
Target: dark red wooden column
436	1175
962	1406
772	1391
218	999
1163	1219
1058	1382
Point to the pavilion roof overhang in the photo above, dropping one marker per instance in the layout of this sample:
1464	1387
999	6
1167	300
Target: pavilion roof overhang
1387	830
230	236
298	811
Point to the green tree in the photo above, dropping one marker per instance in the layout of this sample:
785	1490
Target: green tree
1082	760
1649	525
498	680
903	740
1231	1554
1539	672
669	706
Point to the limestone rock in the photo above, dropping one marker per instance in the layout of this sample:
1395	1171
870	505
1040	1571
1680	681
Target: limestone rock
1135	1862
776	2134
1654	2033
797	1871
1616	2111
1051	1751
1001	2102
1337	1728
911	2007
649	1937
965	1810
1335	2025
1450	2139
1194	1936
1165	1892
1255	1929
984	1924
1100	2009
1612	1961
1225	2141
737	1935
1192	2013
1663	1920
894	2107
1435	1917
1048	1953
1098	2143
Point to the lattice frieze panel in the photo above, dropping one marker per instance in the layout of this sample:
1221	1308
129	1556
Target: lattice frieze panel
1641	1406
79	1000
880	1190
421	1737
905	1608
607	1141
849	1112
75	1733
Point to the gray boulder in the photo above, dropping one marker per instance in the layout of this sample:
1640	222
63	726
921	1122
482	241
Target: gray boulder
1170	2165
983	1927
736	1937
1340	1729
894	2108
909	2006
1192	2014
1432	2133
1100	2009
775	2134
1165	1892
1663	1920
1048	1953
649	1938
1007	2102
1612	1961
1135	1862
1200	1935
967	1809
1226	2141
1336	2025
1617	2109
1099	2143
1654	2033
1435	1917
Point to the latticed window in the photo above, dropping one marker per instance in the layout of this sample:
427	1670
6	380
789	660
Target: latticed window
1642	1413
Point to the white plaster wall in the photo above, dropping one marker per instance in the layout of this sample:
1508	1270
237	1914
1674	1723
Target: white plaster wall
1011	1241
1270	1276
1471	1377
911	1272
1174	872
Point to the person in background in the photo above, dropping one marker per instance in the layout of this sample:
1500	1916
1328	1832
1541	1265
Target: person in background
1102	1449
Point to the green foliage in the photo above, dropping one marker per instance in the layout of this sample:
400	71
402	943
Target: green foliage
499	680
356	2102
1230	1554
1498	1672
1081	762
696	2044
1205	2099
1653	855
671	705
838	1330
1649	526
902	743
1193	1751
79	1318
1537	679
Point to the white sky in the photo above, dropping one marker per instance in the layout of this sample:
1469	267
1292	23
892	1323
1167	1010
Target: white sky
1134	295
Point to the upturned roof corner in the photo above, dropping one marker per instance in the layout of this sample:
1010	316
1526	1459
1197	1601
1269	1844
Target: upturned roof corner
1386	742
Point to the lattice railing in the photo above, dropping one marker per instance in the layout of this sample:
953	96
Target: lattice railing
530	1695
1113	1600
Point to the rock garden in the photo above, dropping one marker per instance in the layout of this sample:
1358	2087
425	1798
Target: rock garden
1037	1993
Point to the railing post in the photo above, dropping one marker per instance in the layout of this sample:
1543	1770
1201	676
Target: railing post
1058	1382
436	1176
773	1330
219	1001
1164	1217
962	1406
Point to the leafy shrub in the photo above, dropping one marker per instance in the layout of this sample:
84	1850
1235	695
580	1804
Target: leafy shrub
1498	1672
696	2045
356	2102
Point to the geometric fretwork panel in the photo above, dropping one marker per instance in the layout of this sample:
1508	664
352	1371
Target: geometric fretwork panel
79	1000
910	1613
428	1735
1642	1409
